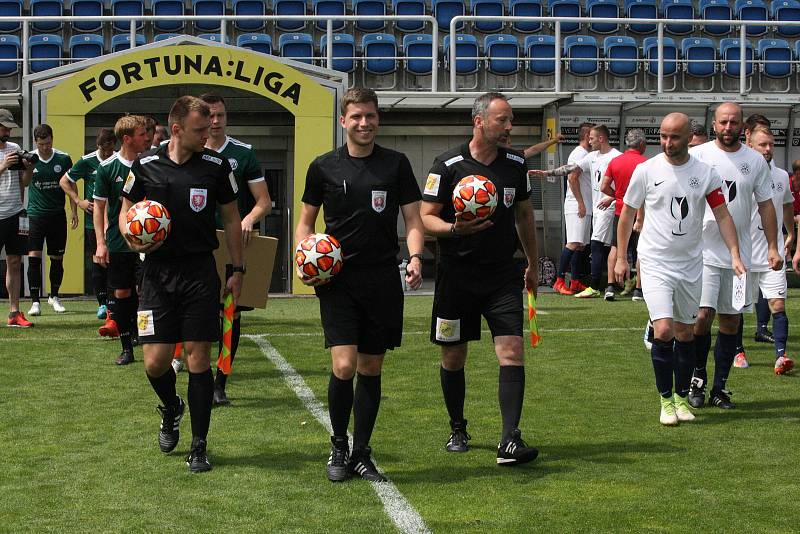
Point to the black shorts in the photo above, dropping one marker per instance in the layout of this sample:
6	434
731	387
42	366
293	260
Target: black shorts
465	293
122	270
363	306
179	300
89	244
614	231
50	228
11	239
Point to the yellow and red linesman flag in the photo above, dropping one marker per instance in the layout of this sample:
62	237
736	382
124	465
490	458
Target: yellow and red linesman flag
535	337
224	360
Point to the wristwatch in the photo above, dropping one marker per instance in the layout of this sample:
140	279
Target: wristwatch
418	255
238	269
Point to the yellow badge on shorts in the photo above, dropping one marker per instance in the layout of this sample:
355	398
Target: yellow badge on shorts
144	323
448	330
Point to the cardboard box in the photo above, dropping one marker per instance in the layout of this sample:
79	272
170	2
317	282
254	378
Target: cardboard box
259	259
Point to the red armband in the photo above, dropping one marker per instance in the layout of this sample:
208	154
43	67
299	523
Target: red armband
715	198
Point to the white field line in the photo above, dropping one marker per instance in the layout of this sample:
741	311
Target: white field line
399	510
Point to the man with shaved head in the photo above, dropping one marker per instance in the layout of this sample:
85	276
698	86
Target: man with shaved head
746	181
674	189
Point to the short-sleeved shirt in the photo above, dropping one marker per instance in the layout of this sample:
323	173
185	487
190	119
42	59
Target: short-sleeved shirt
795	194
190	191
595	163
620	170
361	198
10	192
745	176
45	196
585	181
109	180
675	199
498	243
86	169
246	168
781	194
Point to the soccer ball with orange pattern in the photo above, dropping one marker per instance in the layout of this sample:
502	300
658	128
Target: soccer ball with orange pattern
474	197
147	222
319	256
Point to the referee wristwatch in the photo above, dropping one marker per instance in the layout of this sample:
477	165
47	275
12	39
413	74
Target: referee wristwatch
418	255
238	269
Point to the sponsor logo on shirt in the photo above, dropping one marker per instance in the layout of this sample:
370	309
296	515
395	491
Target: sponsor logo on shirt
454	159
448	330
432	184
212	159
679	209
198	199
514	157
508	196
379	201
730	187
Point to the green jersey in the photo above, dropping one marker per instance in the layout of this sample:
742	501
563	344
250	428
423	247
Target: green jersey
246	169
86	169
110	178
45	196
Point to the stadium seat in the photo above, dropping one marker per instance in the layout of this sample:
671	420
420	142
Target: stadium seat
165	36
45	52
602	9
566	8
418	51
445	10
214	37
87	8
641	9
127	8
369	7
343	50
785	10
376	46
752	10
678	9
526	8
86	46
716	10
10	8
775	57
257	42
289	7
122	41
699	56
168	8
501	51
329	7
487	8
297	46
251	8
9	50
541	49
581	54
46	8
214	8
650	53
409	7
617	50
729	55
466	47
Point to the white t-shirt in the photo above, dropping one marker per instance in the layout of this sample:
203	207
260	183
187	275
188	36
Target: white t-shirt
781	194
570	203
10	196
675	200
745	175
595	164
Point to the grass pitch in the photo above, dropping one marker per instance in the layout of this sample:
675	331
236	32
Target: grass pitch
81	453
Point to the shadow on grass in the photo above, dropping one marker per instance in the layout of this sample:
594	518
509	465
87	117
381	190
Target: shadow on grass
759	409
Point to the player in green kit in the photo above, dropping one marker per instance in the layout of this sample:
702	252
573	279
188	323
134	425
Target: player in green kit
47	218
86	169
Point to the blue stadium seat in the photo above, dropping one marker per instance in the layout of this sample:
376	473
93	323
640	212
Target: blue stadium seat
729	55
214	37
466	47
165	36
526	8
297	46
641	9
9	49
602	9
369	7
379	45
168	8
45	52
344	50
566	8
329	7
541	49
409	7
716	10
618	49
418	45
784	10
87	8
257	42
86	46
127	8
289	7
650	53
122	41
752	10
581	54
208	7
487	8
699	49
678	9
777	51
252	8
46	8
445	10
502	51
10	8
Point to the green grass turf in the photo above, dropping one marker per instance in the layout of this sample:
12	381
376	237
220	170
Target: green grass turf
81	454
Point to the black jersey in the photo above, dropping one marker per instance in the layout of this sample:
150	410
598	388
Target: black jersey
497	243
361	198
190	192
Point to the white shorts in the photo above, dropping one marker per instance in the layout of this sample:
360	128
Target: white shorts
603	225
579	230
670	295
771	283
718	290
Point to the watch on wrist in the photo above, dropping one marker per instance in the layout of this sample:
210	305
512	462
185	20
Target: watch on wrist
418	255
238	269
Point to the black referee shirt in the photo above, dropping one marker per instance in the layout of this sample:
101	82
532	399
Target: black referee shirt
190	192
508	172
361	198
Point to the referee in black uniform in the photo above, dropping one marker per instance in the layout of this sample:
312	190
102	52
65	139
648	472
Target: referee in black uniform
180	288
362	187
477	274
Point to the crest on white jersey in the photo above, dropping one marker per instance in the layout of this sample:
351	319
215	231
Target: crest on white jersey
379	201
508	196
744	169
694	182
198	198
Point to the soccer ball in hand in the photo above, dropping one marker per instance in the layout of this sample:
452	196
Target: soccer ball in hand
475	197
147	222
319	256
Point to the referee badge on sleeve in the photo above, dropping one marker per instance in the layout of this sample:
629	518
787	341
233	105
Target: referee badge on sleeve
432	184
379	200
129	181
198	198
508	196
448	330
144	323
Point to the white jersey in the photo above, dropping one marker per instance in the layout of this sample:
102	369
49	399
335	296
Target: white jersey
675	200
10	192
596	164
570	203
745	176
781	194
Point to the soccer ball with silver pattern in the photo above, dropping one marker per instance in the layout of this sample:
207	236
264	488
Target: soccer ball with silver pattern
319	256
475	197
147	222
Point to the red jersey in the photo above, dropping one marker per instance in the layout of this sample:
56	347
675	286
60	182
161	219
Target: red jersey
795	194
620	169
